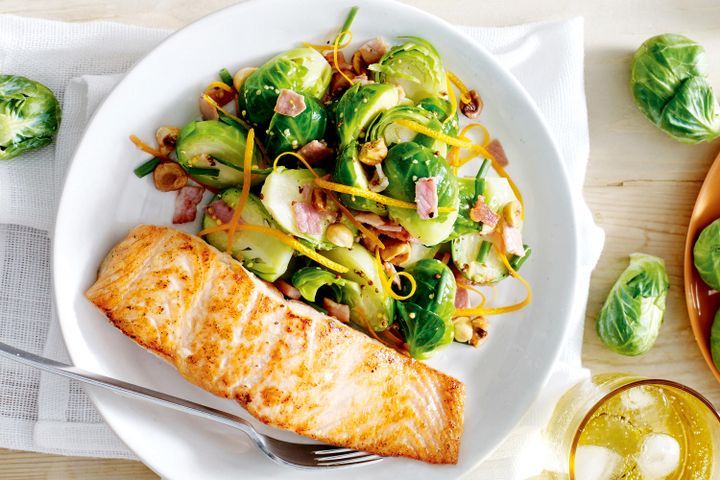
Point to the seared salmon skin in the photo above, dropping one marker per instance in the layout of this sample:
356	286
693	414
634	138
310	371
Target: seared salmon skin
289	365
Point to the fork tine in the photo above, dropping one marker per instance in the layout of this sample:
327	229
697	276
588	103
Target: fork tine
342	456
329	449
351	462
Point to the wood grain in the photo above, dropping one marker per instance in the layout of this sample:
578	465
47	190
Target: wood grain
640	185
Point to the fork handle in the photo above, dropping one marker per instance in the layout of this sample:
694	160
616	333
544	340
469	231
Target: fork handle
127	389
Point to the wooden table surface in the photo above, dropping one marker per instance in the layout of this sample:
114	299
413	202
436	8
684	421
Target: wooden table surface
641	186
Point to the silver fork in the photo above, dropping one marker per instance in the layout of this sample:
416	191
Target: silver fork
298	455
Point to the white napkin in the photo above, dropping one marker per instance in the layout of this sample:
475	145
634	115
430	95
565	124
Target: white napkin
49	414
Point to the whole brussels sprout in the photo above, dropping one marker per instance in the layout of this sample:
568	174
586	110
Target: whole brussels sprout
303	70
358	107
349	171
29	116
630	320
706	255
669	85
286	134
404	165
384	126
715	340
217	151
415	66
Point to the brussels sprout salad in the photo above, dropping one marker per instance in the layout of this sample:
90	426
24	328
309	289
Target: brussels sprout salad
352	186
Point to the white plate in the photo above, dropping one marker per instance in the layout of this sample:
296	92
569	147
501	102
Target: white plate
102	200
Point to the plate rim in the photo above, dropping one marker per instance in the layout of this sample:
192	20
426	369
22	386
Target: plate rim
504	75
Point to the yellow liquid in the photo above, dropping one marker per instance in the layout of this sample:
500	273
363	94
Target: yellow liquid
623	422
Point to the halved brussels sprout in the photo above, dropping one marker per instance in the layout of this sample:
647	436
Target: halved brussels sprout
483	268
496	192
415	66
350	171
358	107
283	190
630	320
29	116
715	340
213	153
440	109
370	304
303	70
266	256
286	134
309	280
384	126
418	252
706	255
404	165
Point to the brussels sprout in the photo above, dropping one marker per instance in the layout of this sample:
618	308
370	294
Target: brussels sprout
418	252
370	304
358	107
29	116
404	165
715	340
303	70
706	254
309	280
349	171
435	287
285	133
669	86
265	256
476	263
415	66
424	331
217	150
440	109
496	192
384	127
629	321
285	188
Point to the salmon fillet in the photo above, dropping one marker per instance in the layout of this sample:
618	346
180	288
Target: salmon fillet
289	365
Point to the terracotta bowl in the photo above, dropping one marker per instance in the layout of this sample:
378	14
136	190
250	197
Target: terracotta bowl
700	303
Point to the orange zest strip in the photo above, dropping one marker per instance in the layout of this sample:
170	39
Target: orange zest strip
336	47
483	128
220	85
451	98
387	282
146	148
464	97
475	290
377	243
481	310
244	193
328	46
416	127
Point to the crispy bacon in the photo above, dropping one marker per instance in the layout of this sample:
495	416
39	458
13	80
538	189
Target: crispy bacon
337	310
288	290
426	198
220	210
482	213
513	240
315	151
374	50
289	103
186	203
309	219
496	150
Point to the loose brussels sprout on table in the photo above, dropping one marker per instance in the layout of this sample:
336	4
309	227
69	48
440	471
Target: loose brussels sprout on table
29	116
669	85
365	223
715	340
630	319
706	255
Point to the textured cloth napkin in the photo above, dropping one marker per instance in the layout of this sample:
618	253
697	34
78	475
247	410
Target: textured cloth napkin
81	63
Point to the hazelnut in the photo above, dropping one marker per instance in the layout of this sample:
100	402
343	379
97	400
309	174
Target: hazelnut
396	252
463	329
166	138
473	106
169	176
242	75
512	212
374	152
340	235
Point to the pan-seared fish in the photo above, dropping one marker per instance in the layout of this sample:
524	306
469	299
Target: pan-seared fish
290	366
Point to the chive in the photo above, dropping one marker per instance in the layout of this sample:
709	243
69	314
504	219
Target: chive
226	77
348	23
258	171
210	172
485	247
479	178
517	261
147	167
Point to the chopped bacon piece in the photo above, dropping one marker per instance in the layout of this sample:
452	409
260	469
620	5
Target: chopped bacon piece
186	203
315	151
462	299
309	219
288	290
513	240
373	50
342	63
426	198
382	226
393	232
372	219
220	210
289	103
482	213
337	310
496	150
